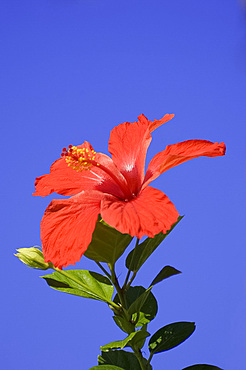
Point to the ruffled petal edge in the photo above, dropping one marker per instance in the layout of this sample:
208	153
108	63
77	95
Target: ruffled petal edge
179	153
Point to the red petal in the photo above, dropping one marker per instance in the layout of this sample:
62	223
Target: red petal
109	179
66	181
128	144
67	227
61	179
179	153
150	213
157	122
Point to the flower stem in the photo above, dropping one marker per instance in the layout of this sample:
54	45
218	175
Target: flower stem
103	269
131	280
116	284
127	284
126	280
134	252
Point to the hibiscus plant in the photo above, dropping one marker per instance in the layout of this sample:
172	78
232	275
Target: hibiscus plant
111	203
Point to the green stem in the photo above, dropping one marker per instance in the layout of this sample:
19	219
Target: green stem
126	280
103	269
134	252
139	356
131	280
121	293
127	284
116	284
149	359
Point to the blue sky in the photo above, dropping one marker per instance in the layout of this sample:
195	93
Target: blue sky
71	71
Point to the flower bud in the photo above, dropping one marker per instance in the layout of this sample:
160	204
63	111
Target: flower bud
32	257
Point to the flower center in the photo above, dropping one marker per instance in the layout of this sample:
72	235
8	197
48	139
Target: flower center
83	159
79	159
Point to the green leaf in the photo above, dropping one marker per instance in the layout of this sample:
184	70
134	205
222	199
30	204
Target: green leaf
107	244
165	273
140	319
137	305
170	336
141	253
141	304
202	367
134	338
123	359
106	367
139	339
126	360
119	343
82	283
123	324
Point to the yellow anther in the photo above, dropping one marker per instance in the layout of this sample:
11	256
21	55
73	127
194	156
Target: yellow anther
80	159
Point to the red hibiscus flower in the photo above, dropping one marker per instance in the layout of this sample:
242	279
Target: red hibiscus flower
116	188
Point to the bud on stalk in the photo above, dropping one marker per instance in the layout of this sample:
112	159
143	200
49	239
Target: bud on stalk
33	257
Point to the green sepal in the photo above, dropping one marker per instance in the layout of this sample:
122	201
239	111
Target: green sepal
141	305
141	253
106	367
170	336
132	339
82	283
165	273
202	367
107	244
126	360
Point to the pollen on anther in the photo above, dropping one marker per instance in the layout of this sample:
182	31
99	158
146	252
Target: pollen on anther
79	159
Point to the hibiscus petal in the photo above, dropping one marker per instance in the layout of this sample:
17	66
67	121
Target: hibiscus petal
179	153
128	144
61	180
65	181
157	122
67	227
150	213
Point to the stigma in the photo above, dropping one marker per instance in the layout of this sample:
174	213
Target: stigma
79	159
